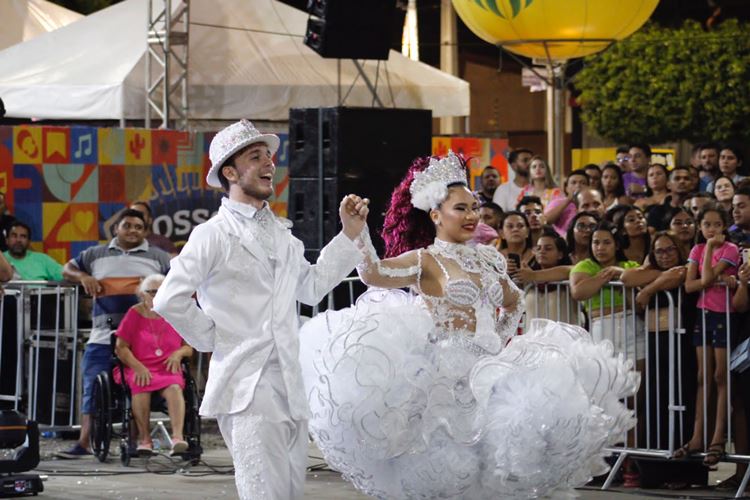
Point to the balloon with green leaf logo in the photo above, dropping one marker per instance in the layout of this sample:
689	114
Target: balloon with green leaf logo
554	29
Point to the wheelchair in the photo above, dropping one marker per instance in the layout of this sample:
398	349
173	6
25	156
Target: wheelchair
112	403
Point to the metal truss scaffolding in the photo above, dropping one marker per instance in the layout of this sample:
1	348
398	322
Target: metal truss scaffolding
167	63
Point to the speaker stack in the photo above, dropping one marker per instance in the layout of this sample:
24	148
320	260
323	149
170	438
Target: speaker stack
350	29
337	151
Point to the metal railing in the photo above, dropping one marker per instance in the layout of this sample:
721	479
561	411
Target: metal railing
655	338
42	317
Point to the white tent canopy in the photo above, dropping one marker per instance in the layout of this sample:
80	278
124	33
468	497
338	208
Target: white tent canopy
25	19
247	59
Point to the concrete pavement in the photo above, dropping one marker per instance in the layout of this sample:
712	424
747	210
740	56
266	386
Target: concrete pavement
164	479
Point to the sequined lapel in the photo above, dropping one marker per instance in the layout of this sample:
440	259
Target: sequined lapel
247	239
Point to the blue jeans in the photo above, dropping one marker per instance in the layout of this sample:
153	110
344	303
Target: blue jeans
96	359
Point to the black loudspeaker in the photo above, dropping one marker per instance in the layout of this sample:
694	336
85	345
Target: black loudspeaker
657	472
337	151
9	350
54	385
349	29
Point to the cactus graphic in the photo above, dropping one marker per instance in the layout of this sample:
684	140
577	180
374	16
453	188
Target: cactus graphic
136	145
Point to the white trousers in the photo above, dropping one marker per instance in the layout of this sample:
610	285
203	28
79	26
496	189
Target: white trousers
268	448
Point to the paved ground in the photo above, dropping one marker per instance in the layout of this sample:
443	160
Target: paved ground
164	479
135	483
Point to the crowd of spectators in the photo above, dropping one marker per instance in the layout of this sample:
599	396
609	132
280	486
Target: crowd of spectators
658	233
619	237
114	275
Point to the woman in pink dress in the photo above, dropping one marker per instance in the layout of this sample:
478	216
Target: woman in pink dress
152	351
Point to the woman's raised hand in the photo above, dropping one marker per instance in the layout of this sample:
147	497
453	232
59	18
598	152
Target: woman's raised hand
524	275
744	273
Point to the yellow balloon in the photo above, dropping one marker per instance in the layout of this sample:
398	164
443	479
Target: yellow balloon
555	29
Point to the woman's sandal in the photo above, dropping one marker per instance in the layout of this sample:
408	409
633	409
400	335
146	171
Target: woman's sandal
714	454
145	448
684	451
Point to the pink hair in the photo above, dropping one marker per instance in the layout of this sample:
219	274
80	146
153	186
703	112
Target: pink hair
406	227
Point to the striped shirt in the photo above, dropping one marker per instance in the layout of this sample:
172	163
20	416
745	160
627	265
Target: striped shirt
119	272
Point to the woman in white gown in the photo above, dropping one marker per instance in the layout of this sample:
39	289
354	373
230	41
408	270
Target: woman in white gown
429	393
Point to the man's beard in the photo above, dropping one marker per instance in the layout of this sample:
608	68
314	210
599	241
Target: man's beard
17	252
122	241
256	193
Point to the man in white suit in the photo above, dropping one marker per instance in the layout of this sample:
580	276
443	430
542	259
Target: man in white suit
249	271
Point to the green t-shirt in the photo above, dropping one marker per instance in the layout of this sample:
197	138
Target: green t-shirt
36	266
590	267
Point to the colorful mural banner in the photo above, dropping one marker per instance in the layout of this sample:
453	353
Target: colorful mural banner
68	183
479	152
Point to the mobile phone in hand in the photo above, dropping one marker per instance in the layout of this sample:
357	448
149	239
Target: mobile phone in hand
516	259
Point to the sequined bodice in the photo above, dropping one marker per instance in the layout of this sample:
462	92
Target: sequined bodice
472	290
462	292
473	303
483	268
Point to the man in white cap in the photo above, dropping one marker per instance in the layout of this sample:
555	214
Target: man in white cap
249	271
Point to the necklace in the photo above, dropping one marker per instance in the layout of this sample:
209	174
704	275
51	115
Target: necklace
465	256
157	338
483	260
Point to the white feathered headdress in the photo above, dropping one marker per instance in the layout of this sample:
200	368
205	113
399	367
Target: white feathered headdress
430	187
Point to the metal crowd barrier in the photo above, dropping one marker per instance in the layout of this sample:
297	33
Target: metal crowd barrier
655	339
661	348
40	373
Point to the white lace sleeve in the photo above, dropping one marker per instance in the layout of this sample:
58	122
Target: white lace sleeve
398	272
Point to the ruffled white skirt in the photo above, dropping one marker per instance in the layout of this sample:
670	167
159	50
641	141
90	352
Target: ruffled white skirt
402	415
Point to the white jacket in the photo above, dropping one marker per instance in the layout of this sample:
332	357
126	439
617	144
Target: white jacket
247	304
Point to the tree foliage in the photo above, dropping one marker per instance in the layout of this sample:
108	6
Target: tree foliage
664	85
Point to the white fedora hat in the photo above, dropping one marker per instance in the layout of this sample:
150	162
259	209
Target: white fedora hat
231	139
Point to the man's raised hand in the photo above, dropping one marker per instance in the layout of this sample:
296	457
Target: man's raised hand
353	212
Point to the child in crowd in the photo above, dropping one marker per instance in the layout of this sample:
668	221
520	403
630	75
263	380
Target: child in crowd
549	301
605	305
712	264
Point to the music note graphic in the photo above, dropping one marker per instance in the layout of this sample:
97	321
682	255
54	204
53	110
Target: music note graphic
84	146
